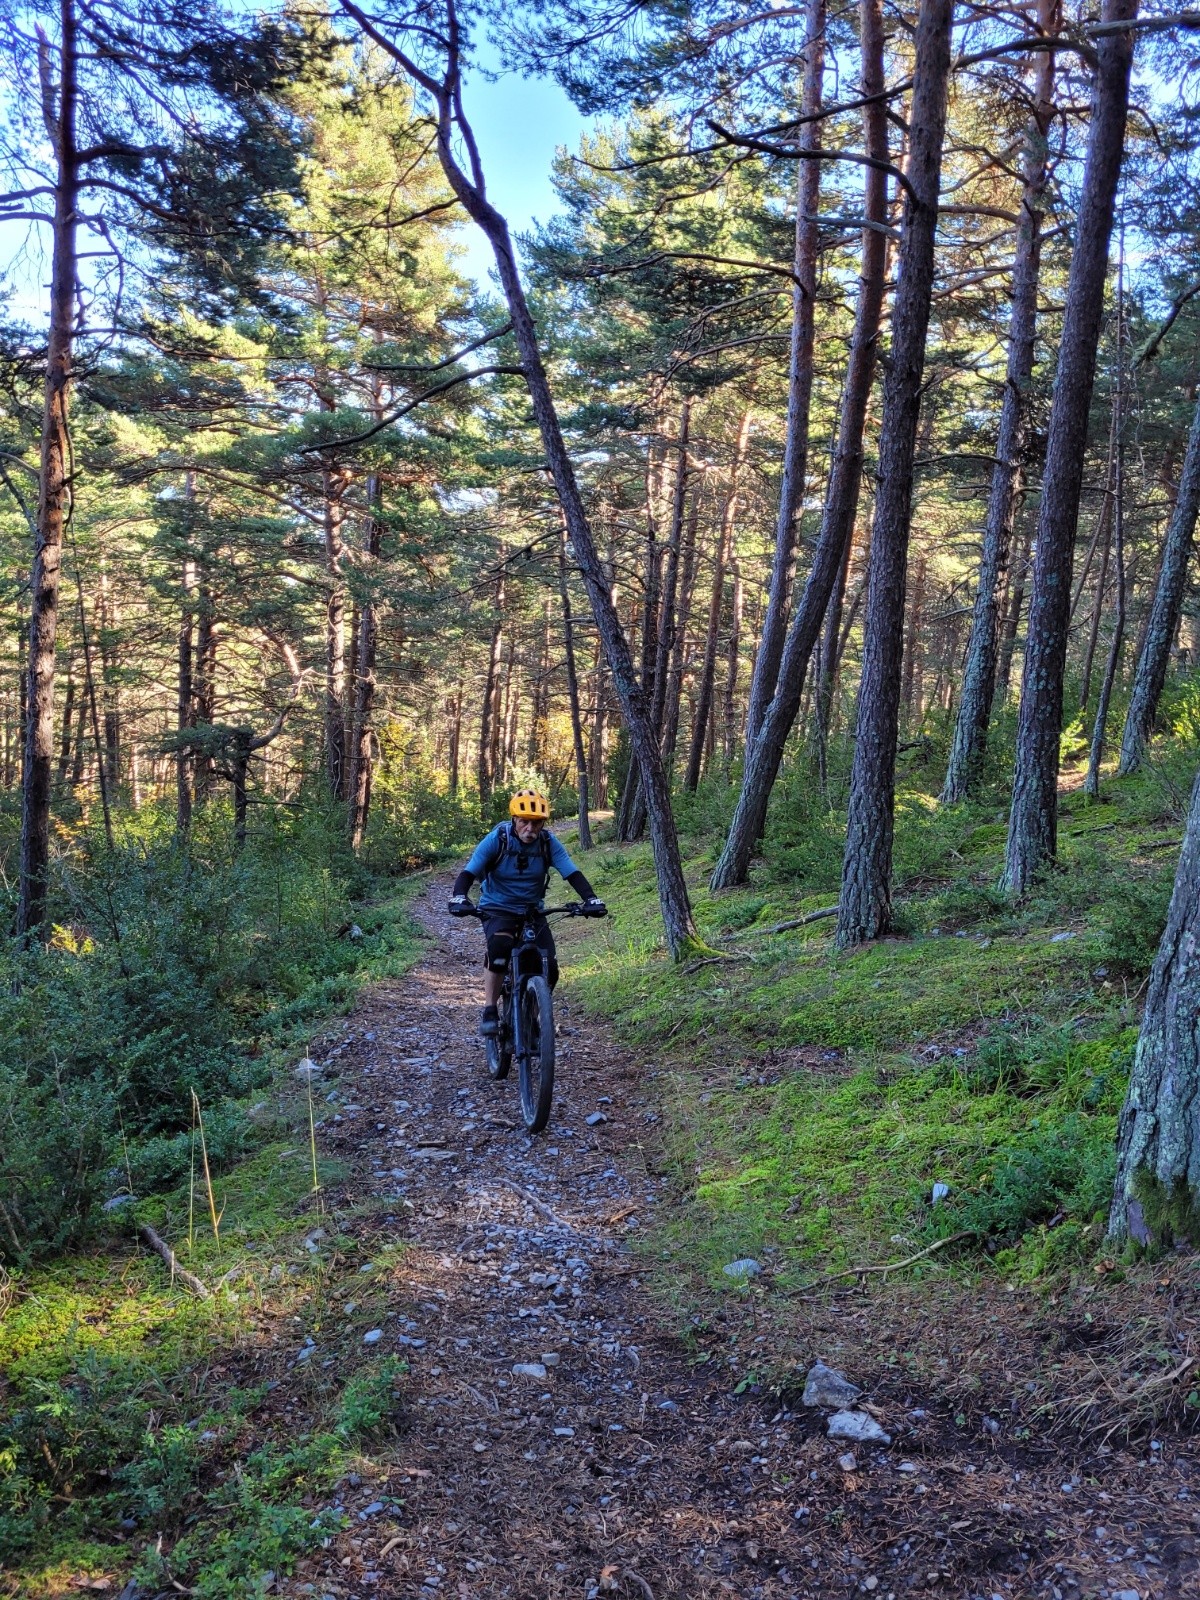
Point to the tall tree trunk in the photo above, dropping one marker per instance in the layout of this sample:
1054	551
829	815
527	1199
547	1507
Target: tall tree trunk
581	766
631	813
540	708
1158	1137
664	641
1091	783
1163	620
724	547
486	770
53	485
733	646
1033	820
107	630
680	647
764	756
979	671
204	674
1019	574
334	484
910	693
1104	537
865	906
185	708
359	787
456	706
800	374
64	748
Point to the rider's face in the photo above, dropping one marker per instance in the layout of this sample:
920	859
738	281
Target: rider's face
528	828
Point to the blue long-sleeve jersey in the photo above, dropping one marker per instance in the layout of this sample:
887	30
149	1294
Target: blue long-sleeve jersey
515	875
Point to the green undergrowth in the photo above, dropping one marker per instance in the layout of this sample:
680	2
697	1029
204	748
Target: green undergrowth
148	1432
826	1109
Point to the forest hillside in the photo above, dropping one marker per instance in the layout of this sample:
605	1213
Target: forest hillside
806	509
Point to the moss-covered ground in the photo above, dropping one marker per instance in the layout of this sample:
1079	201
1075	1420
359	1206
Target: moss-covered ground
828	1109
131	1408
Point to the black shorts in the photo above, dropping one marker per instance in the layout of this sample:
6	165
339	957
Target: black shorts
502	929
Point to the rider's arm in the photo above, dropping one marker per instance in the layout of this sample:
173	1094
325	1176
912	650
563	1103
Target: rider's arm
462	884
566	868
581	886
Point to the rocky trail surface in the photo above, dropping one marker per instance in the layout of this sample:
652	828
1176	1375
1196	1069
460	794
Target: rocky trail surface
558	1438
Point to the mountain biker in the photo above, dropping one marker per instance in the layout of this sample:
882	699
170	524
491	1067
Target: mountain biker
514	863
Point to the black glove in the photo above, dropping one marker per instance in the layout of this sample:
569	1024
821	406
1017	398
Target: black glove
594	908
460	906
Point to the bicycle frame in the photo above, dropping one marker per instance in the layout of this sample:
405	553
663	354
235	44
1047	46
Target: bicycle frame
516	978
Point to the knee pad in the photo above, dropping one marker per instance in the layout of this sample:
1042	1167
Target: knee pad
499	951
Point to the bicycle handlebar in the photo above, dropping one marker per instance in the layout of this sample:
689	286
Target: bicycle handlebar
577	909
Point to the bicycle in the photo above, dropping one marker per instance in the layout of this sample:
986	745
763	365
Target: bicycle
526	1009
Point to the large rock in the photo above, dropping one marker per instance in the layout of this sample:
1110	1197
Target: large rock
858	1427
827	1388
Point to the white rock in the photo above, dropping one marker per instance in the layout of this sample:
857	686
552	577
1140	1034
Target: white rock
373	1336
529	1369
847	1462
307	1068
550	1358
747	1267
940	1191
857	1426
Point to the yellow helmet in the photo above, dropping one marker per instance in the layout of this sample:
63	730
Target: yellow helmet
529	803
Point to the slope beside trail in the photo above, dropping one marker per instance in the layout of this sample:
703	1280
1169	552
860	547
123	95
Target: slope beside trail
624	1468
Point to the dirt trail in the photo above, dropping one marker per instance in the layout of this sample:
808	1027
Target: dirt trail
623	1469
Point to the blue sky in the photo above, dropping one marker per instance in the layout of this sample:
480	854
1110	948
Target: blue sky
519	123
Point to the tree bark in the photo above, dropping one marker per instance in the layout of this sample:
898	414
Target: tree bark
581	765
1158	1138
205	677
54	485
185	708
486	766
733	647
911	678
335	634
1014	605
359	786
708	671
865	903
1033	820
764	756
680	646
800	376
64	748
1091	783
969	745
1163	620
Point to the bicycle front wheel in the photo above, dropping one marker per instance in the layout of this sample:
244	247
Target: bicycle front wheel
536	1057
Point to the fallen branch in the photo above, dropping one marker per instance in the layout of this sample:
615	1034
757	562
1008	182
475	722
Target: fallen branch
708	961
540	1206
162	1248
1163	844
783	927
894	1266
630	1576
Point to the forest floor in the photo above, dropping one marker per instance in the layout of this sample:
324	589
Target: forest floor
639	1463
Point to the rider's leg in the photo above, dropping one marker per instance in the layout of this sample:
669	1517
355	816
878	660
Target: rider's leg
545	939
499	934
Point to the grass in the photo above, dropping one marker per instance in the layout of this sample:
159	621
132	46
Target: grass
132	1410
814	1097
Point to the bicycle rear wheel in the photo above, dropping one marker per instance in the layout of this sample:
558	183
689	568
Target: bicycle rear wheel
536	1060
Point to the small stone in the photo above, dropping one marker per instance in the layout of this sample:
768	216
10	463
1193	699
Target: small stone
550	1358
940	1192
307	1352
826	1387
992	1426
479	1447
307	1068
857	1426
357	933
117	1201
596	1118
1125	1594
746	1267
529	1369
847	1462
870	1584
564	1433
372	1510
1061	938
373	1336
908	1466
